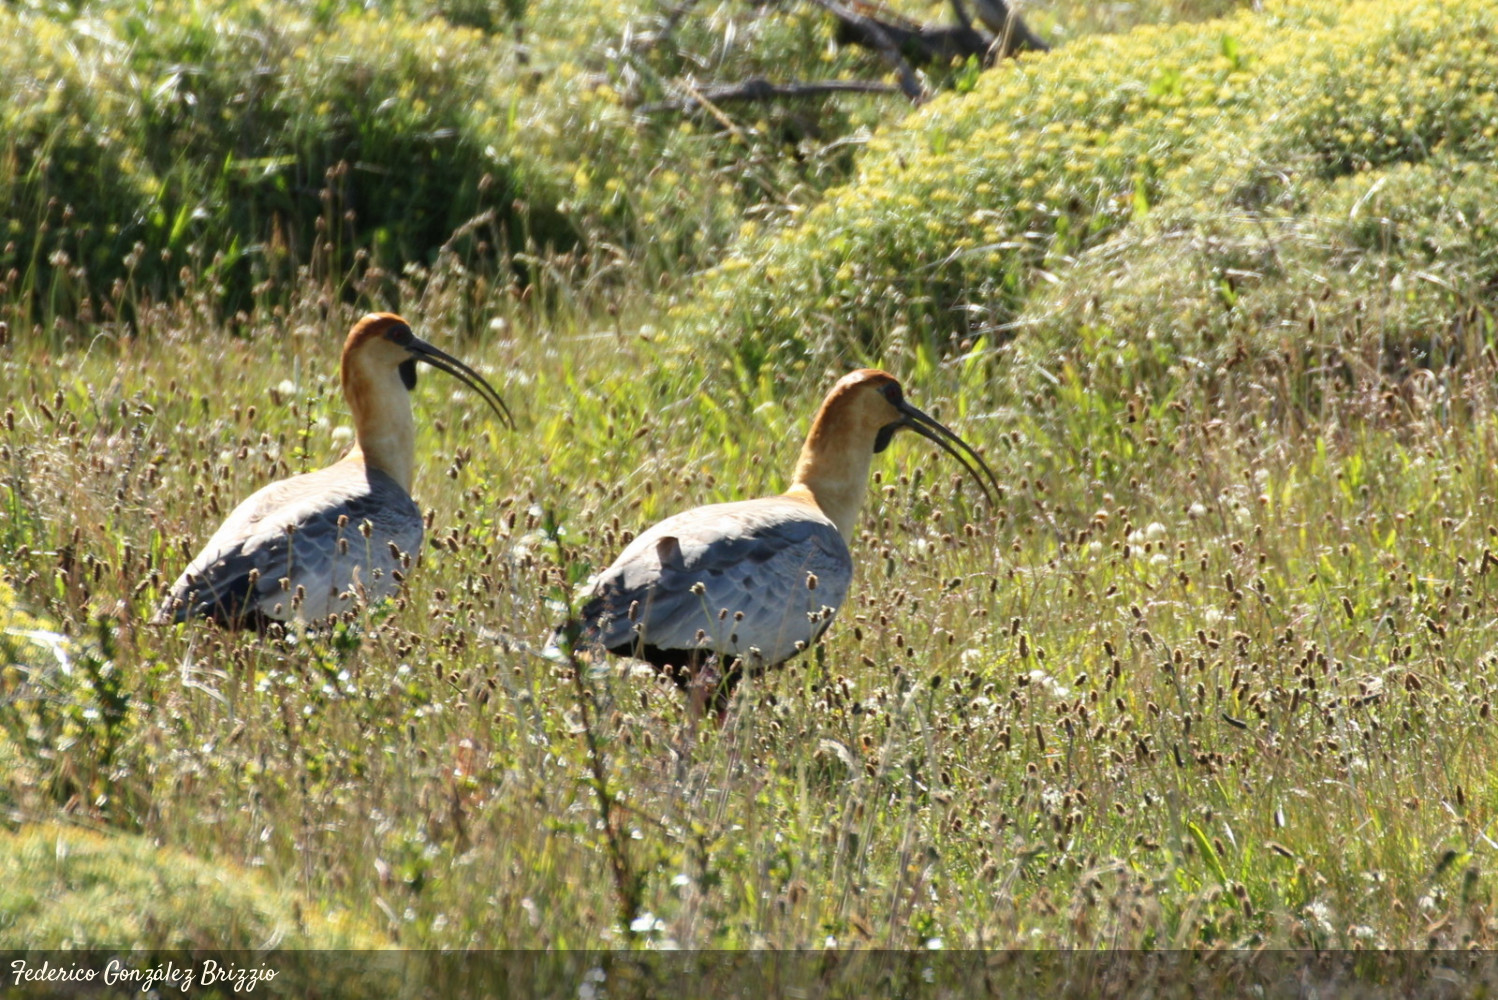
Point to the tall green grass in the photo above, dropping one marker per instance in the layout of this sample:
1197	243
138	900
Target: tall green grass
1201	680
1217	672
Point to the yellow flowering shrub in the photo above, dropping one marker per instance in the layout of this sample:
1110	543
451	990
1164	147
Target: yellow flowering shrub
1384	269
1001	214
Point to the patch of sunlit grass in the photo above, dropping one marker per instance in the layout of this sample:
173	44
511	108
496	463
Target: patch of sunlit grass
1200	681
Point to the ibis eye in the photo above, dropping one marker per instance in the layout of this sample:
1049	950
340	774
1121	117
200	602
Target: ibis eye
408	373
885	436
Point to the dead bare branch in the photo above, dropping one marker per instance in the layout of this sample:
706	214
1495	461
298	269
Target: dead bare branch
870	24
878	35
1011	34
759	89
960	12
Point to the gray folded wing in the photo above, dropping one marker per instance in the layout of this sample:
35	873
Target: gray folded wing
772	573
238	576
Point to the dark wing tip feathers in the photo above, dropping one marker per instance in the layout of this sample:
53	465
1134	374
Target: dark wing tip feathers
231	607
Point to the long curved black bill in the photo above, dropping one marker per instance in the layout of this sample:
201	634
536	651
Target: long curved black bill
932	430
458	370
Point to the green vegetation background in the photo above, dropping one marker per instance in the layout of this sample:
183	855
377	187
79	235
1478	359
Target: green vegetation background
1215	298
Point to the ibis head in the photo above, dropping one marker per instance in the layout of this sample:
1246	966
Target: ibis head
379	371
857	420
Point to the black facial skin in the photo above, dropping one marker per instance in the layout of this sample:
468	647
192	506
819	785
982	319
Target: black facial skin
424	352
932	431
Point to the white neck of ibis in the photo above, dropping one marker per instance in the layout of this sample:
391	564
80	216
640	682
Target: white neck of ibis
833	473
384	429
